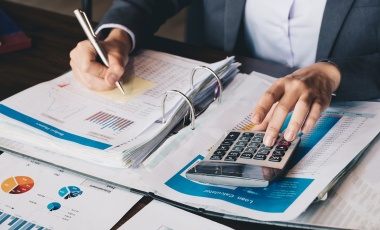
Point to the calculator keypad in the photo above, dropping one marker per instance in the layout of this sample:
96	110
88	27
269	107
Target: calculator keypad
247	147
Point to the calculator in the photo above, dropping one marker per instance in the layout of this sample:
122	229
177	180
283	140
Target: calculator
239	158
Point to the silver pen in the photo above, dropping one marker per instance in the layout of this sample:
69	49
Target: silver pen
83	21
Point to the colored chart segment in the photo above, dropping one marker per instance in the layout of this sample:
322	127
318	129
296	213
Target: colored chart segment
70	192
17	184
53	206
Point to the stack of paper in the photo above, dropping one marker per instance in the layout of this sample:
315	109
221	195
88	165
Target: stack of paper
109	128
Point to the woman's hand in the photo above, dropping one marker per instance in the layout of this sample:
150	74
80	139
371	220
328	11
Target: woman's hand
307	91
94	75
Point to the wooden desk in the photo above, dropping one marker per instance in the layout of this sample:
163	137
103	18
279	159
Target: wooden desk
54	35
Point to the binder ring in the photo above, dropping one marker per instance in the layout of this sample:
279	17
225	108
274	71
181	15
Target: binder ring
192	110
214	74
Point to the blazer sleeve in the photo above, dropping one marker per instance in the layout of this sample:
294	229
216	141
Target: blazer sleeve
142	17
360	77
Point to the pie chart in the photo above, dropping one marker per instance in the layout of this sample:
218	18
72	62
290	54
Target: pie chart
17	184
70	192
54	206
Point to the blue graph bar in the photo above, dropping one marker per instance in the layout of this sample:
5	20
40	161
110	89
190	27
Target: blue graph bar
17	223
15	219
4	217
20	222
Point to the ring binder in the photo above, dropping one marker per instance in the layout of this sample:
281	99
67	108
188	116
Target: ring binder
192	110
213	73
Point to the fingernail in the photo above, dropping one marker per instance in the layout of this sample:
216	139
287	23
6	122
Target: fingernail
256	119
268	141
289	135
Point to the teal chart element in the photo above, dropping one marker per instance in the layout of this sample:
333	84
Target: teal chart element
10	222
275	198
70	192
53	206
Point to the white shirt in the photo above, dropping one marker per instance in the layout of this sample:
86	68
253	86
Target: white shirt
284	31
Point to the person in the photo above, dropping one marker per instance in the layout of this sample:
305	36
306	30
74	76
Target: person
334	44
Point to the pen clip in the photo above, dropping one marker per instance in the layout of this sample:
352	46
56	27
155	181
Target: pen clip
85	23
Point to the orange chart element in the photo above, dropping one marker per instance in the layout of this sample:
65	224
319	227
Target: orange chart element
17	184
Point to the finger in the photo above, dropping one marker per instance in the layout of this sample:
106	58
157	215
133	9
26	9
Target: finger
315	113
263	125
116	69
300	112
270	97
280	113
90	82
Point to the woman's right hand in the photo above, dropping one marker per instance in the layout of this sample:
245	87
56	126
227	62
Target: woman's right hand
94	75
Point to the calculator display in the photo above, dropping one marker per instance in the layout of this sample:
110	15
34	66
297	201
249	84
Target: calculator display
233	174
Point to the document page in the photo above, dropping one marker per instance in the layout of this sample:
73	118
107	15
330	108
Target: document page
160	216
341	133
35	195
354	202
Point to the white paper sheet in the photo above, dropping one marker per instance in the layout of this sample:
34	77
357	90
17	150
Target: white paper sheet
34	195
161	216
355	202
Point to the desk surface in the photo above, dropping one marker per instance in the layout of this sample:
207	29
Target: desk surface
54	35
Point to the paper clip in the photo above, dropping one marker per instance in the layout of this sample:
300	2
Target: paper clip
192	110
214	74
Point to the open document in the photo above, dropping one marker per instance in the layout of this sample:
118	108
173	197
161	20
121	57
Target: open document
342	132
109	128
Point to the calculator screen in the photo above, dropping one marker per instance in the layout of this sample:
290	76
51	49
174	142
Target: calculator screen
243	171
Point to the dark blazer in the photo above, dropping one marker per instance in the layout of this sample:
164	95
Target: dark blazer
349	35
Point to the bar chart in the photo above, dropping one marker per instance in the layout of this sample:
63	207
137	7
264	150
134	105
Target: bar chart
109	121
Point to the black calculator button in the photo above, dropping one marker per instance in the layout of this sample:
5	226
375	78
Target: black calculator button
219	153
262	146
281	148
246	155
228	143
250	150
248	134
233	154
259	134
241	143
244	139
259	157
257	139
263	151
230	158
278	153
254	144
232	136
223	147
215	158
237	148
274	159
